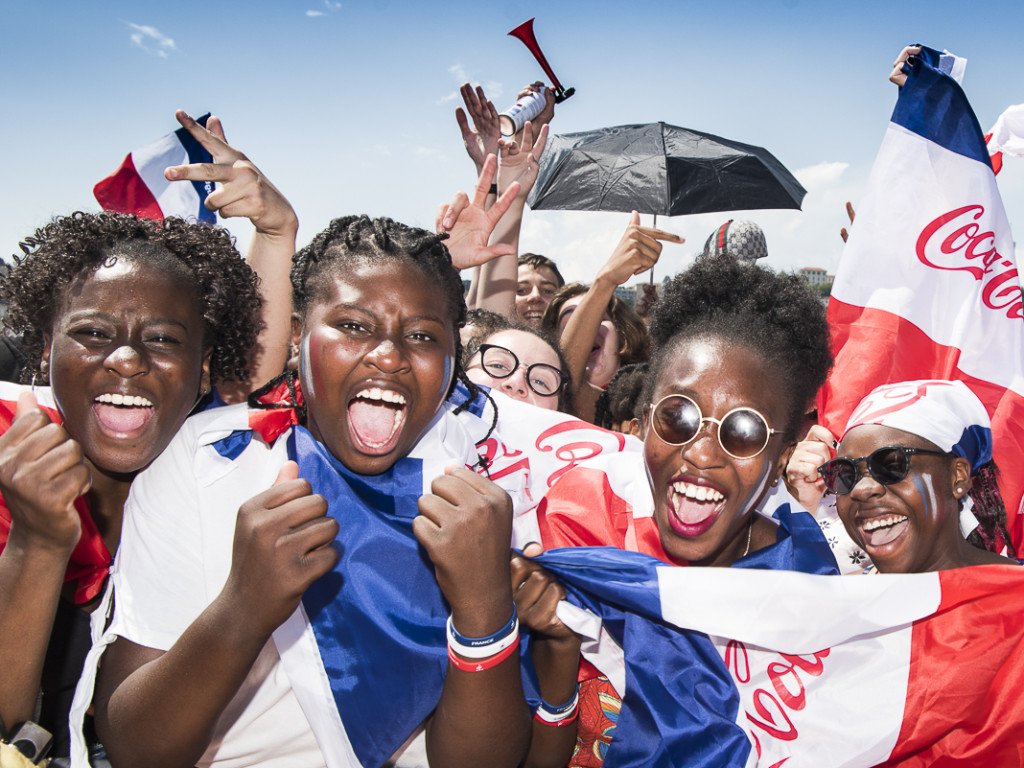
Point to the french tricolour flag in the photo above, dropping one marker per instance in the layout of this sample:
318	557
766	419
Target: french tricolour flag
739	667
139	186
927	287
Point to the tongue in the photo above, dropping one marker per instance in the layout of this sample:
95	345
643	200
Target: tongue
372	422
691	511
882	536
120	419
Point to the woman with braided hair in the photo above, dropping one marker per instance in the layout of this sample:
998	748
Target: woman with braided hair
361	596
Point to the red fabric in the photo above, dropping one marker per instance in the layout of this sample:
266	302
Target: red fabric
969	713
90	560
124	191
271	423
582	510
995	157
874	347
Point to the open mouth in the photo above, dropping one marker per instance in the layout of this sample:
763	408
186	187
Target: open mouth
693	508
375	419
122	415
883	530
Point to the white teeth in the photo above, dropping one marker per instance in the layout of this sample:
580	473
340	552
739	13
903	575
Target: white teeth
883	522
697	492
132	401
387	395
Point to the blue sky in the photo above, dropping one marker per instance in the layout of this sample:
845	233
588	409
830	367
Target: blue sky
349	106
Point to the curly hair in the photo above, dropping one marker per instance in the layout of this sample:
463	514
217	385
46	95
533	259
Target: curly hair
622	399
634	340
774	315
360	239
70	248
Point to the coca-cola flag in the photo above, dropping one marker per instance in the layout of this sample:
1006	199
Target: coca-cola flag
927	287
776	668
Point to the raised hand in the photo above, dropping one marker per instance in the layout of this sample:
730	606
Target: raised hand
802	476
469	224
282	545
897	75
852	214
548	113
637	251
520	161
482	139
42	472
244	191
465	524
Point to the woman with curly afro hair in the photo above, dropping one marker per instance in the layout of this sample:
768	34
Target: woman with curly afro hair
125	323
739	352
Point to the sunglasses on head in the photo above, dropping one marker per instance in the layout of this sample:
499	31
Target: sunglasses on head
743	432
886	465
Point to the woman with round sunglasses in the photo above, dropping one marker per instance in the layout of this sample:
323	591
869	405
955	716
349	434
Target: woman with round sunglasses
914	474
739	353
524	364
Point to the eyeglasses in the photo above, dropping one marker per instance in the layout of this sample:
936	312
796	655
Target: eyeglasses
886	465
544	379
743	432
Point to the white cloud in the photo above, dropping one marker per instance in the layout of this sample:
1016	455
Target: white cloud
461	75
328	5
151	40
821	176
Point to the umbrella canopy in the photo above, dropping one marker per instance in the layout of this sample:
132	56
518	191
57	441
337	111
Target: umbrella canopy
660	169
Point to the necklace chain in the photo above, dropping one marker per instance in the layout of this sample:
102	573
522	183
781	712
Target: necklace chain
750	530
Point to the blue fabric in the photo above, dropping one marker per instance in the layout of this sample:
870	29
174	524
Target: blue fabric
975	445
933	105
681	704
231	447
461	394
198	154
379	616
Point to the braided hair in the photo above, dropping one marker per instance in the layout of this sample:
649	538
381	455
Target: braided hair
991	533
361	240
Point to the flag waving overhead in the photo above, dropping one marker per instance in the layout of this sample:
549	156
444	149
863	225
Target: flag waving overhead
792	669
928	287
139	186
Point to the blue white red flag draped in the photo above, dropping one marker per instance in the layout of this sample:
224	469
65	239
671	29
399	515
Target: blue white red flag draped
803	670
927	287
138	186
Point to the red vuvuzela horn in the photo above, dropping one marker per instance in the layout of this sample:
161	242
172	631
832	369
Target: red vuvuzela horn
524	32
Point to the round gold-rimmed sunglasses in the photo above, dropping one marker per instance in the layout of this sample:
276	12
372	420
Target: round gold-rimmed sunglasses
743	433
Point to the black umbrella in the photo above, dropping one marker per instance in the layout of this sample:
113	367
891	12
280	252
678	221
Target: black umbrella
659	169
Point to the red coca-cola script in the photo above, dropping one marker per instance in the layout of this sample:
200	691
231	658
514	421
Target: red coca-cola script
960	241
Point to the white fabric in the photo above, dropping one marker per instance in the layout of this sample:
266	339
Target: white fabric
180	519
174	524
1008	132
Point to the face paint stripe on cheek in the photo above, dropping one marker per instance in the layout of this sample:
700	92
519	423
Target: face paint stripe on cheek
306	367
926	489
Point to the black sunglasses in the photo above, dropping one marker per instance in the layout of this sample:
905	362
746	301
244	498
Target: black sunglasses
887	465
743	432
544	379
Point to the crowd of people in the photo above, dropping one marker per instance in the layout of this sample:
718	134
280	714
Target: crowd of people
285	510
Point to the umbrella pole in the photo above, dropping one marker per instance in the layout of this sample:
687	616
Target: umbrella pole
655	226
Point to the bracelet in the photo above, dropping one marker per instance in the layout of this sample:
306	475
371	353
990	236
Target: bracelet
493	190
559	716
481	664
484	647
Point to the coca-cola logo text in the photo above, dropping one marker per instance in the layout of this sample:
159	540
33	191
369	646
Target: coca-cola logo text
956	242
